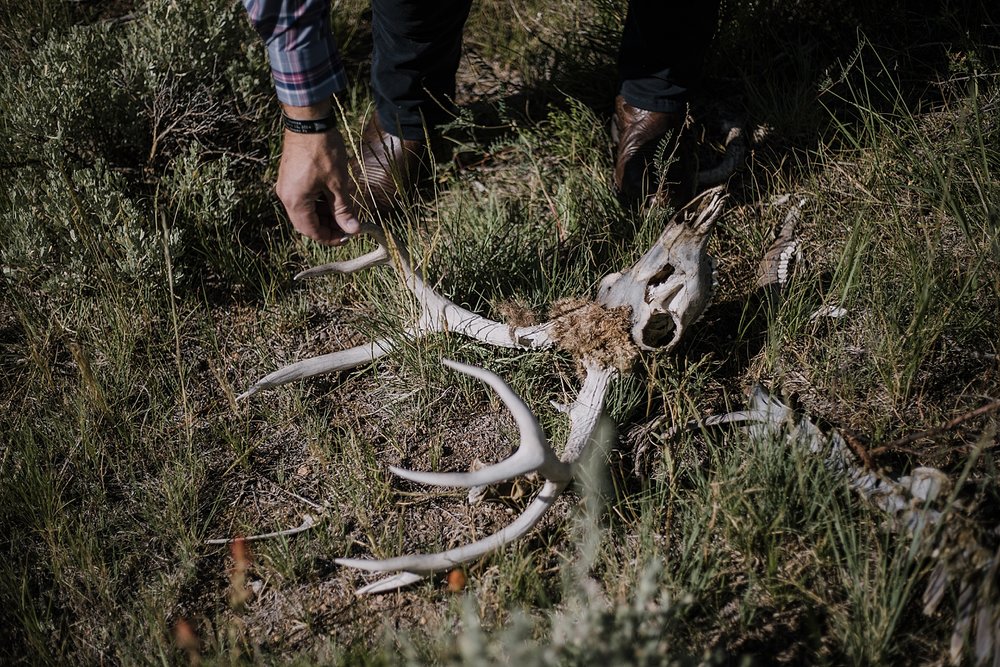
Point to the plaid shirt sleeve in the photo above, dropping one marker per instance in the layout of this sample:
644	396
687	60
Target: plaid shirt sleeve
305	64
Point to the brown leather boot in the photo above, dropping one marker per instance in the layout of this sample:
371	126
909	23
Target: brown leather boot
637	134
389	168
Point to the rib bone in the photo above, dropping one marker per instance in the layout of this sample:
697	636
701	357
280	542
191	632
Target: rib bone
912	502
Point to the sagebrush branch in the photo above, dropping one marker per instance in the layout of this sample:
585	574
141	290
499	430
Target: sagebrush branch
937	430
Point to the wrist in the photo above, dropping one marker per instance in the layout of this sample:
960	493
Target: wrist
313	119
315	111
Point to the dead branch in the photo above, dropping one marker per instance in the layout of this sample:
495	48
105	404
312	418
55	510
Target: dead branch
896	445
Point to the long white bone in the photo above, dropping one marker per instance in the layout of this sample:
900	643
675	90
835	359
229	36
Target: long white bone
307	522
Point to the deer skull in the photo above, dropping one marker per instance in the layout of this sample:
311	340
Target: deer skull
671	285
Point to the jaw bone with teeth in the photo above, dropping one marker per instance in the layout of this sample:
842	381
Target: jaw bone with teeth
664	292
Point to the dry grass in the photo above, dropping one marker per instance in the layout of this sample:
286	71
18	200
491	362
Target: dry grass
146	282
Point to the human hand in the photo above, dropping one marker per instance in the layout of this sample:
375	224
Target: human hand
315	187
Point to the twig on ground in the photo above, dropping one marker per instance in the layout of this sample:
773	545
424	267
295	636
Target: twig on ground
858	447
311	503
895	445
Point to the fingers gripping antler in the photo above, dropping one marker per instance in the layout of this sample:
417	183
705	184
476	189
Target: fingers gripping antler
534	454
438	314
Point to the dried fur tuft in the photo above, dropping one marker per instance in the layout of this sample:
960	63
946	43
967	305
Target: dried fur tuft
517	313
591	332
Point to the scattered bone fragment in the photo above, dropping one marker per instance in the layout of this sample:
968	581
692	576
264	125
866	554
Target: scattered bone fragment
308	521
778	264
920	503
831	311
476	493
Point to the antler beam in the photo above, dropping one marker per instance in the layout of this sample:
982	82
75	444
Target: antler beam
438	315
585	422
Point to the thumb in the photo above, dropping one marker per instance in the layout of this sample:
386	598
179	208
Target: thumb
342	208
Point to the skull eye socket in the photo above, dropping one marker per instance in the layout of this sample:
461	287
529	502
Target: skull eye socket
661	275
658	279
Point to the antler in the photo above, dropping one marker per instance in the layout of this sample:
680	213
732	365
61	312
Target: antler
438	314
534	454
645	306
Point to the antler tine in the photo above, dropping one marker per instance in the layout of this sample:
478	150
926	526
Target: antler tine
341	360
419	566
440	314
392	583
376	257
534	454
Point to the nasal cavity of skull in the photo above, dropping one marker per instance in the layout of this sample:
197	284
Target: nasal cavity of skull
658	278
658	328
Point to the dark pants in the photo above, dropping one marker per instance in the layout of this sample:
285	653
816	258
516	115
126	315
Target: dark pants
418	44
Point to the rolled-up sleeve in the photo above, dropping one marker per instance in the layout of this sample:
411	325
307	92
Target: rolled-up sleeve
305	63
